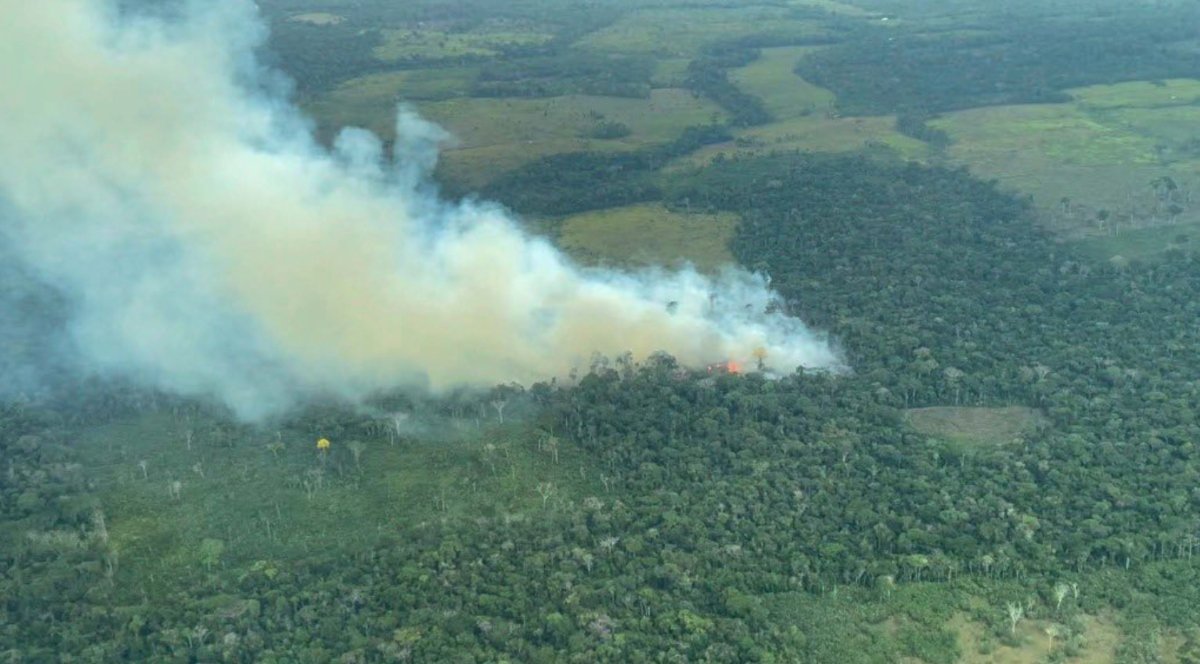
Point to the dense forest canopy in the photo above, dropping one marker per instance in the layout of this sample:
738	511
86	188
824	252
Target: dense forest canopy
1009	465
1016	63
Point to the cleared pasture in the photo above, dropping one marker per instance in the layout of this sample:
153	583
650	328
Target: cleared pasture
1100	152
1139	94
643	235
496	134
815	134
974	426
658	118
771	78
406	43
1142	243
493	135
683	32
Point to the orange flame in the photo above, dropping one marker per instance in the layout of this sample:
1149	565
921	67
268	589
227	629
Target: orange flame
729	367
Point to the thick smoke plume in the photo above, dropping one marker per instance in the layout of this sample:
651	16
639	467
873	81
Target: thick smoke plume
207	244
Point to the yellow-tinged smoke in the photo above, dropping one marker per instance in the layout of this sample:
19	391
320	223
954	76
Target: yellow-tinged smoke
210	246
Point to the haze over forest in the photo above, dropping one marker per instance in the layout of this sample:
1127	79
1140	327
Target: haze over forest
606	331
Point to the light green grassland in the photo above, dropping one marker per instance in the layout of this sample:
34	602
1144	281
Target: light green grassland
476	167
1139	94
1096	641
524	123
1142	243
1100	151
381	91
682	32
975	426
817	134
399	44
1165	125
495	135
1059	133
492	135
370	101
287	503
638	235
1050	152
771	78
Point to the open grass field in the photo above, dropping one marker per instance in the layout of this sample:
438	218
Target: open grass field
1059	134
1139	94
682	32
815	133
526	122
1170	126
493	135
370	101
974	426
1100	151
475	167
402	44
1051	152
1097	642
786	95
1142	243
640	235
369	94
280	499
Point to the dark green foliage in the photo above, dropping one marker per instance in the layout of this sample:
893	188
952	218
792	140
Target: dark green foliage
579	181
733	518
915	125
318	57
731	48
609	129
833	631
929	644
572	19
1189	652
939	271
1015	62
706	76
741	519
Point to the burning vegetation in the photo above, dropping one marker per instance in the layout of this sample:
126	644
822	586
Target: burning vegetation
729	367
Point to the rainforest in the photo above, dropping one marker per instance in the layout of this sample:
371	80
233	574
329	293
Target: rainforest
816	331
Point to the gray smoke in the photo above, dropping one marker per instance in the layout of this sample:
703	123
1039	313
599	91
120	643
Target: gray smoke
208	245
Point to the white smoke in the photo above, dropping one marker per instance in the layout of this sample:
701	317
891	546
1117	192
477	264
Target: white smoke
208	245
